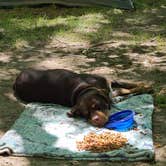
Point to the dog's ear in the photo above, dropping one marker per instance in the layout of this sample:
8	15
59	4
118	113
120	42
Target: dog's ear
75	111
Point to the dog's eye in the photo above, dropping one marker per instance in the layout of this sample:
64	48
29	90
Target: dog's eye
95	106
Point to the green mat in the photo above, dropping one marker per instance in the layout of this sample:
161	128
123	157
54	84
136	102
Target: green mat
45	130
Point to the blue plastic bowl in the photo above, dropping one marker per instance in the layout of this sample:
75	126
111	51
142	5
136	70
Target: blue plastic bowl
121	121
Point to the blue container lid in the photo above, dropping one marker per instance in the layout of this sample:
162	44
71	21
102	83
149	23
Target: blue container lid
121	121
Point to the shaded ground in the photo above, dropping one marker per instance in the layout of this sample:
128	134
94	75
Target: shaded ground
113	43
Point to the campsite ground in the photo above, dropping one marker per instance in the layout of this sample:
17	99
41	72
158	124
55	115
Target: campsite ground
118	44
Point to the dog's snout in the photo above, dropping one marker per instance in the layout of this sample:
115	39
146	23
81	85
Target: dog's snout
99	119
96	119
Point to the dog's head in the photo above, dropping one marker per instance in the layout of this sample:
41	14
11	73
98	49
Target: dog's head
92	105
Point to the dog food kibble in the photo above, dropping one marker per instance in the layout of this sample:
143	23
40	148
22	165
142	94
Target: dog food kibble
101	142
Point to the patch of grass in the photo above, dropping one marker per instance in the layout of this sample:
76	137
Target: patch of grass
148	3
31	25
161	100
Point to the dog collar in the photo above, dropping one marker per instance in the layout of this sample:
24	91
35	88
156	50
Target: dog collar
85	90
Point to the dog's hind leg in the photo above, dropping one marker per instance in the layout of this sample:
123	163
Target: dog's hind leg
124	84
126	88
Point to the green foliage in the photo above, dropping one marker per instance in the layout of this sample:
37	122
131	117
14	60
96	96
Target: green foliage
161	100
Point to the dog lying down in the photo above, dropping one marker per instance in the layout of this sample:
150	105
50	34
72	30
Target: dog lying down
87	94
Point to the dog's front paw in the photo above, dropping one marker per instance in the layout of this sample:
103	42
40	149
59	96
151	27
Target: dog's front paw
70	114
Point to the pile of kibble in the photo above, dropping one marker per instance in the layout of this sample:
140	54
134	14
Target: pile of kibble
103	142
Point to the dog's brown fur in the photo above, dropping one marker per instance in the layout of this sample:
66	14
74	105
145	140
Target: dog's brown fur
87	94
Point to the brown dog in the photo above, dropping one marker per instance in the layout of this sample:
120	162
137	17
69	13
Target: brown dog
87	94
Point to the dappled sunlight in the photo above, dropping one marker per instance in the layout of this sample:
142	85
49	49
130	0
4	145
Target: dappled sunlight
65	61
5	57
61	140
122	35
20	44
117	44
151	62
69	39
23	161
103	71
77	25
149	22
160	154
127	60
90	23
7	74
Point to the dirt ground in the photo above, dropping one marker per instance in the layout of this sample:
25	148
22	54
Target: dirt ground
100	59
116	58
